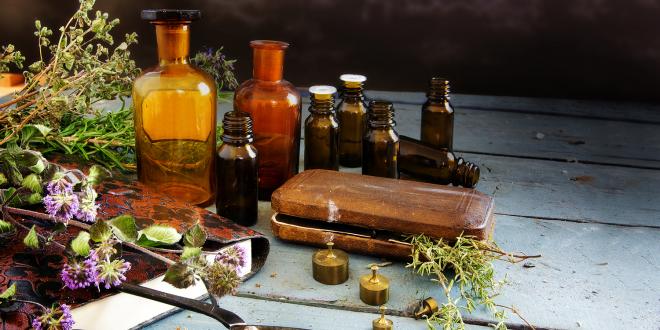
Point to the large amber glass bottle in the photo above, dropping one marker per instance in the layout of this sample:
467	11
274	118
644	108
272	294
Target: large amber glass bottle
175	115
438	116
352	116
381	143
322	130
420	161
275	106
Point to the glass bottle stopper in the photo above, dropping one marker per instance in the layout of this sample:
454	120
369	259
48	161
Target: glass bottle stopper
374	288
322	92
352	80
382	323
330	266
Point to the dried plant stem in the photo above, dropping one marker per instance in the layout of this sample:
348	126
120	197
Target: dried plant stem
85	226
17	99
517	312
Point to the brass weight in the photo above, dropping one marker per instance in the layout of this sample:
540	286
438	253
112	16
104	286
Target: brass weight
427	308
382	323
330	266
374	288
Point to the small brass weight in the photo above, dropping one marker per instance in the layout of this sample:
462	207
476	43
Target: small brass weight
382	323
330	266
374	288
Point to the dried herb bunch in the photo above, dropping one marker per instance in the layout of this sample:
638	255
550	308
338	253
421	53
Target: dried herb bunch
220	68
74	72
469	261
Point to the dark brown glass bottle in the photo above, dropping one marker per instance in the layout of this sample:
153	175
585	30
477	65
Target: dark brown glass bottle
423	162
352	117
237	178
381	143
322	130
438	116
275	107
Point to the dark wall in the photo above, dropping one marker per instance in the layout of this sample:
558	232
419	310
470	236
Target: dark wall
561	48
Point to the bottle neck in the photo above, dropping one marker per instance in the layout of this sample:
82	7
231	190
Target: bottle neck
237	128
268	64
352	90
381	115
438	90
466	174
322	106
173	42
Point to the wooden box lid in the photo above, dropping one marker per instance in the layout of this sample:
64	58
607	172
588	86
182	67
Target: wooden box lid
400	206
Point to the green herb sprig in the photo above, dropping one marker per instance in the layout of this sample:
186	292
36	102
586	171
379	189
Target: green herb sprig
469	261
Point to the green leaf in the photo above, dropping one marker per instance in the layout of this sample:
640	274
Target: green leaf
10	292
100	231
180	276
32	182
124	227
190	252
44	130
5	227
80	244
34	198
97	174
3	179
195	236
31	240
158	235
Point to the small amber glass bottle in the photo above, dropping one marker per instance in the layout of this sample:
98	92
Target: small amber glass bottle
352	116
175	116
322	130
438	116
381	143
423	162
237	197
275	107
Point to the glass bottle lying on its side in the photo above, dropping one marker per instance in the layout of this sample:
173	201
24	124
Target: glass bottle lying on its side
175	115
423	162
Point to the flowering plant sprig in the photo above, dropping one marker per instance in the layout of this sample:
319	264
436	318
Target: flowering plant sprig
220	273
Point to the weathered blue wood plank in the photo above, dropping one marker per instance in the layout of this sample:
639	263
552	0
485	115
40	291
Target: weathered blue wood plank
264	312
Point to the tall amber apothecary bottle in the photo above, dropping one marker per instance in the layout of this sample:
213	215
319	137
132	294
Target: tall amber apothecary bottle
438	116
175	115
352	116
275	107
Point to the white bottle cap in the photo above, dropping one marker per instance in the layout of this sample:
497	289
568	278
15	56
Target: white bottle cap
357	78
322	90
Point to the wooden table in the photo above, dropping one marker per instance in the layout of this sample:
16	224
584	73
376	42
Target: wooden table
576	181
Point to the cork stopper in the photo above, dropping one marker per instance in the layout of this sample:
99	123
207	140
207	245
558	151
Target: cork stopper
330	266
374	288
382	323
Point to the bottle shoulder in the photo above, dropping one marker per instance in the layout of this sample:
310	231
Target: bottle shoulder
438	106
382	135
237	151
267	92
322	120
175	76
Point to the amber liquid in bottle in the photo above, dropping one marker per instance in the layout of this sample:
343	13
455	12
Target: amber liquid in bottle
275	107
420	161
381	143
237	197
438	116
352	117
322	130
175	116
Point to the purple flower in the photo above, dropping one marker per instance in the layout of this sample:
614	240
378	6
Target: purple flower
62	204
59	184
112	272
232	257
80	274
88	208
54	318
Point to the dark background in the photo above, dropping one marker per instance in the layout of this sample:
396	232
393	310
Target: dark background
603	49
